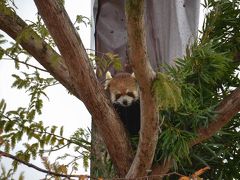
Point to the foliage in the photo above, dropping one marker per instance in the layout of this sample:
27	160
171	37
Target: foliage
82	19
167	93
18	124
8	175
2	41
35	85
174	143
207	74
221	25
203	87
7	6
103	61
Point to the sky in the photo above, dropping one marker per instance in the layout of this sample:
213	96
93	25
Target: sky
61	108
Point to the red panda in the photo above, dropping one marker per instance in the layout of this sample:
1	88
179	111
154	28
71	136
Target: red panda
124	94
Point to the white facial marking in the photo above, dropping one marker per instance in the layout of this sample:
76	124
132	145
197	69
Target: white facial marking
113	98
136	95
125	100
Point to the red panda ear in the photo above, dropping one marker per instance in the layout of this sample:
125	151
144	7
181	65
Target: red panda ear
133	75
108	79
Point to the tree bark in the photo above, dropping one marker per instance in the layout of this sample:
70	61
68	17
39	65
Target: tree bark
161	169
145	75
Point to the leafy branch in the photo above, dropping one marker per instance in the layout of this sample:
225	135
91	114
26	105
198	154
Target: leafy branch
28	65
40	169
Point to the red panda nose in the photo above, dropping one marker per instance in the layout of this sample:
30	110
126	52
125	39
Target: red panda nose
125	102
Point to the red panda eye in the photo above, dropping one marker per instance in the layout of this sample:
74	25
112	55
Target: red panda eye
131	94
117	96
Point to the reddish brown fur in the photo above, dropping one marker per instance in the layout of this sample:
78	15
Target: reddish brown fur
121	82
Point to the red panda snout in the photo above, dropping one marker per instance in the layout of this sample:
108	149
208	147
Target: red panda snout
123	100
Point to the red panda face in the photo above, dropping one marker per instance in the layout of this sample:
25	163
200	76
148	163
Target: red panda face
123	89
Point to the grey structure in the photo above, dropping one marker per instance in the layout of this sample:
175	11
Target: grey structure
170	26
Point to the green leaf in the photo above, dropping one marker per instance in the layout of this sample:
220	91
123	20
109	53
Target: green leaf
39	105
61	131
2	123
47	139
13	142
167	93
19	135
6	147
53	129
53	140
1	53
8	126
2	40
21	176
3	106
31	115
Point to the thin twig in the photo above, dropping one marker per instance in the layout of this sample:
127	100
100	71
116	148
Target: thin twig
57	149
21	62
70	141
40	169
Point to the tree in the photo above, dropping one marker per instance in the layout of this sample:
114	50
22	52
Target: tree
203	86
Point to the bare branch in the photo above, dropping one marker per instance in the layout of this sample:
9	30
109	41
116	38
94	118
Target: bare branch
84	81
145	75
40	169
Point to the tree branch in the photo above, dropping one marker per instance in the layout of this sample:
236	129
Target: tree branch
40	169
163	168
84	81
144	75
225	111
